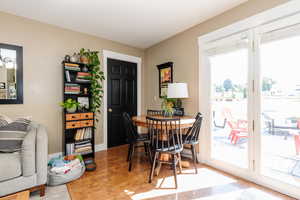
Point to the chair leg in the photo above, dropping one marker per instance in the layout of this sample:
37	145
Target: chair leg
130	157
129	151
174	169
145	148
149	153
152	168
179	163
194	158
197	161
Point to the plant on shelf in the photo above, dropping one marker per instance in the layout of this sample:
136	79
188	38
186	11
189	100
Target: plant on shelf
70	105
96	79
84	56
167	106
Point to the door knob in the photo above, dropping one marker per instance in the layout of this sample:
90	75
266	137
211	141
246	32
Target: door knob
109	110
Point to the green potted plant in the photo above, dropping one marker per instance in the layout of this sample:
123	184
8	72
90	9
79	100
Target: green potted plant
167	106
97	78
70	105
84	56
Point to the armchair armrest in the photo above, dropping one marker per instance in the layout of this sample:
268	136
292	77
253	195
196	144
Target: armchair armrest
28	153
41	154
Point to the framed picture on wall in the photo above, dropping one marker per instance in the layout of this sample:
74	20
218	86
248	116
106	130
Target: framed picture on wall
165	72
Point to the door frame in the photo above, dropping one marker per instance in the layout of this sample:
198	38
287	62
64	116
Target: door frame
124	57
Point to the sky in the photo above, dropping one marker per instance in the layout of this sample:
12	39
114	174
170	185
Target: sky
280	60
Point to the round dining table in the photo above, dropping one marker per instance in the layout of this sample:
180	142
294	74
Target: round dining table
185	121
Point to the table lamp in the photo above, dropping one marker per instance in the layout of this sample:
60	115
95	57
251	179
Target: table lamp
178	91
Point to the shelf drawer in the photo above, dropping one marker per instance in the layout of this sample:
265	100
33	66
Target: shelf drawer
86	123
70	117
70	125
86	115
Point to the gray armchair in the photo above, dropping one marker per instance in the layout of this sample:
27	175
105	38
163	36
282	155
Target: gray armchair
26	170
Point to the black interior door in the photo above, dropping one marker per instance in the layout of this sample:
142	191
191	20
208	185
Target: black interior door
122	97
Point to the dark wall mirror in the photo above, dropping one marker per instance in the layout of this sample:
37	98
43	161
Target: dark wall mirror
11	74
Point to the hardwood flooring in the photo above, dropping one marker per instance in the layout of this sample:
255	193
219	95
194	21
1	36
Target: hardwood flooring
111	180
24	195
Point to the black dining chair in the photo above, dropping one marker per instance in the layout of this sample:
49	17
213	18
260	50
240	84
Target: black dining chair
154	112
165	137
133	138
191	138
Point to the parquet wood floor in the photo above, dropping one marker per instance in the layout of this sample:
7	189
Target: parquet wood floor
111	180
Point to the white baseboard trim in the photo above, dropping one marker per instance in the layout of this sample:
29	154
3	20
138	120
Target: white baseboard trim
98	147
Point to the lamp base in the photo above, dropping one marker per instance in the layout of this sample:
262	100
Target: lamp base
178	112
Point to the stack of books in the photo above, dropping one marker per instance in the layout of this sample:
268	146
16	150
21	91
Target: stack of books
79	148
83	77
72	88
83	147
72	67
83	134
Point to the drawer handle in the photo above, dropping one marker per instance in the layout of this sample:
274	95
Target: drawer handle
86	116
73	116
73	125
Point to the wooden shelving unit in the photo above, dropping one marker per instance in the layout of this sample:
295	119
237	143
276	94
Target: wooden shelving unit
80	123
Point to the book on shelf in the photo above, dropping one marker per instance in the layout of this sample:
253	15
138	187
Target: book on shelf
72	88
71	64
83	134
83	153
68	78
72	68
81	148
69	148
83	77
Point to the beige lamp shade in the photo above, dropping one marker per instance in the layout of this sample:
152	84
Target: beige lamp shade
178	90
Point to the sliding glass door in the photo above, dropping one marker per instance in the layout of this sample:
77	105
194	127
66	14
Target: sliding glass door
280	106
253	107
229	64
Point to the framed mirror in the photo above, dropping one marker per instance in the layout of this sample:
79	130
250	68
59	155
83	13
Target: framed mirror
11	74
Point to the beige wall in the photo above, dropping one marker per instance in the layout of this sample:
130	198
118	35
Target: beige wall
44	47
182	49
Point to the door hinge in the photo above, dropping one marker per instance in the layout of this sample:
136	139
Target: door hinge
253	125
253	45
253	163
253	88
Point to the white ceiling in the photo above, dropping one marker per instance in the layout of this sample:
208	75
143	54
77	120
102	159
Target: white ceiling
139	23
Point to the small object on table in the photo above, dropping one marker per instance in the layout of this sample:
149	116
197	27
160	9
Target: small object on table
178	111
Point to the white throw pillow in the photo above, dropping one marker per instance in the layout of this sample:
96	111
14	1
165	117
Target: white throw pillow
4	120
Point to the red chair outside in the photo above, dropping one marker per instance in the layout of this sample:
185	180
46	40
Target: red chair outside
239	127
297	139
